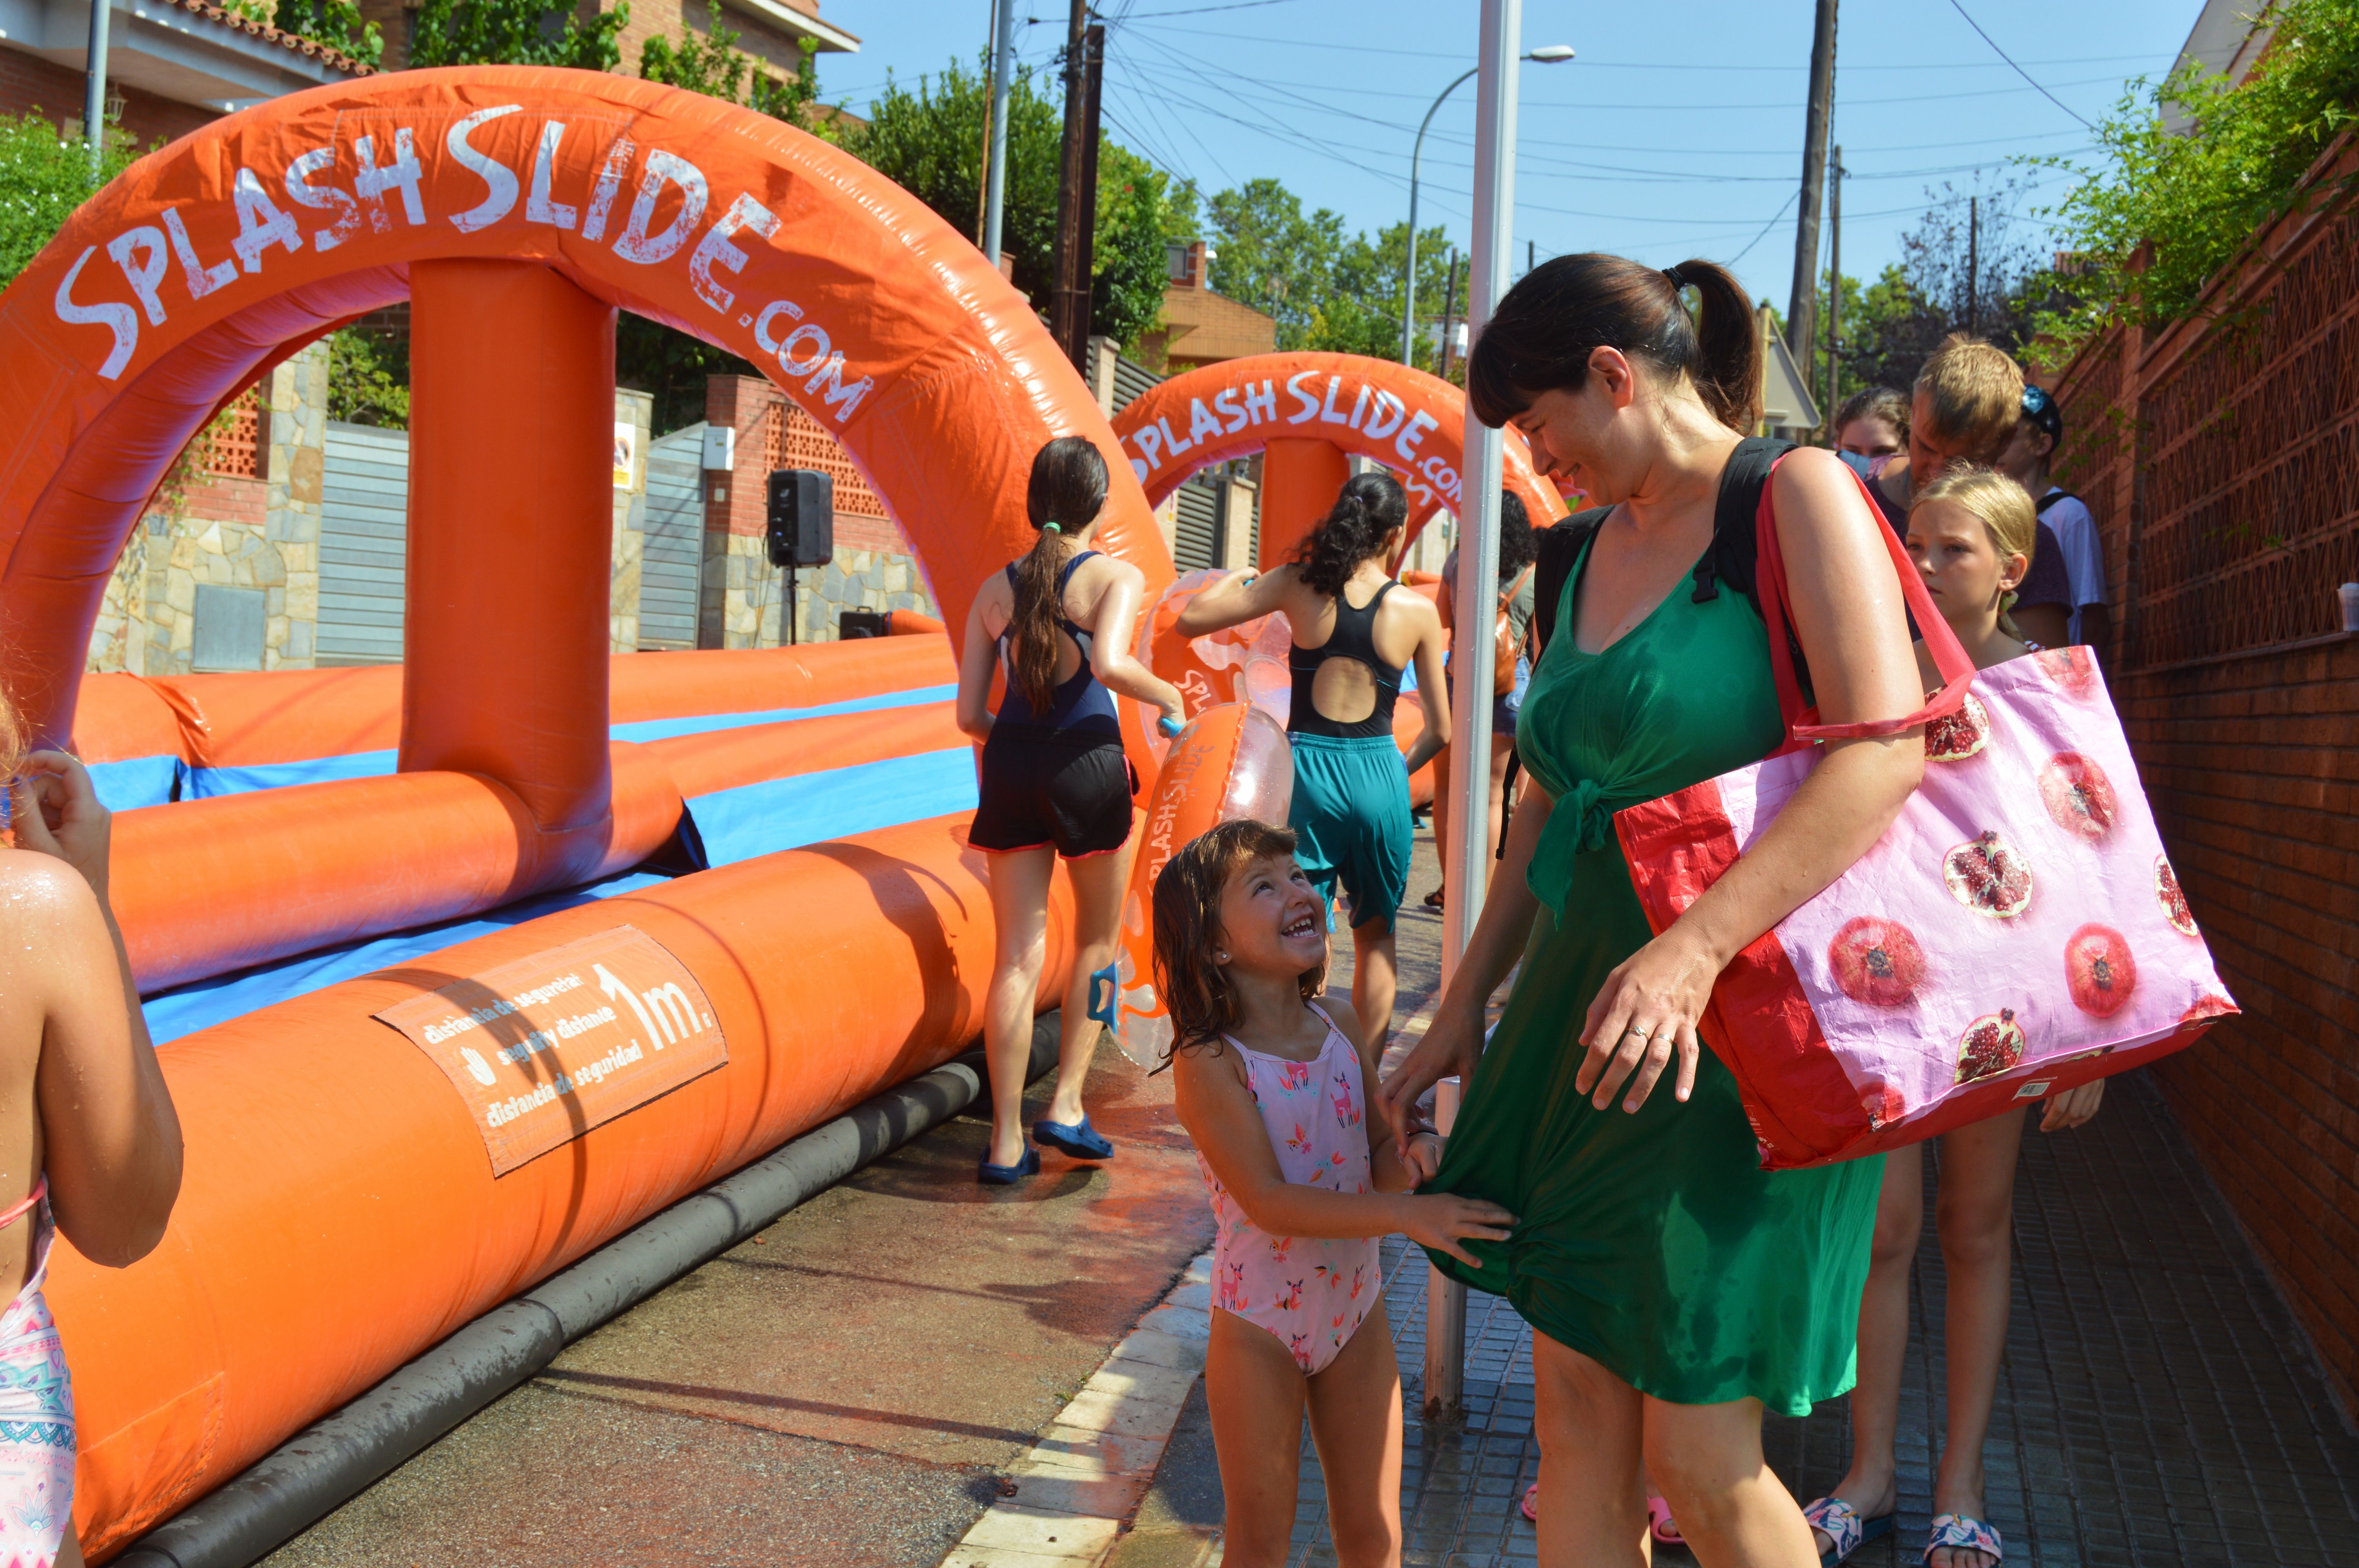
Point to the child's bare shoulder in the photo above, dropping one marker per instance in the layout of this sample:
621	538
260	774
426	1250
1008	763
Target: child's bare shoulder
1337	1005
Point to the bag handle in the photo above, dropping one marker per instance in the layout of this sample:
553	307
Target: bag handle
1802	724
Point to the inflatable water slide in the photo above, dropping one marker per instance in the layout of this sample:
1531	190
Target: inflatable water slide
459	969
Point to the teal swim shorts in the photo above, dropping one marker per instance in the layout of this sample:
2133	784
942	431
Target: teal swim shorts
1350	821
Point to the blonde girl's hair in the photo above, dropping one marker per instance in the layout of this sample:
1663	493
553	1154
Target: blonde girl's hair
1975	393
2006	513
1198	993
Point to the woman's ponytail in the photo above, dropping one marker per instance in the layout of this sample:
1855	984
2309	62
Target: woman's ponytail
1727	365
1565	309
1067	490
1370	508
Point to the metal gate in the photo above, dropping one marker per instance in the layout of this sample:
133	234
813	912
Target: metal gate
1196	535
672	545
364	544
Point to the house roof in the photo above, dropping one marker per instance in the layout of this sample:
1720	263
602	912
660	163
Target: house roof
310	48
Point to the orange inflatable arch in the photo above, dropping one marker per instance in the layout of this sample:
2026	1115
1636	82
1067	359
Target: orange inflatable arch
1307	414
339	1213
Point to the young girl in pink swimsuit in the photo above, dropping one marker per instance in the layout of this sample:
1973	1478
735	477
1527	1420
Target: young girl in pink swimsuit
88	1143
1303	1181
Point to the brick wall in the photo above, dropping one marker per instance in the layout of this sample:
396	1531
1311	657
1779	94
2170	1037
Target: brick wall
2221	458
873	568
29	84
2253	766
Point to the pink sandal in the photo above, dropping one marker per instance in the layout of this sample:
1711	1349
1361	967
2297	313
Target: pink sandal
1658	1516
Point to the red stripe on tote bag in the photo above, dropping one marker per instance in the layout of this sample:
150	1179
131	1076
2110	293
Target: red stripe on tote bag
1685	842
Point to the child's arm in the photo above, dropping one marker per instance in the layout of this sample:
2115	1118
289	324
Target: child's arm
1387	1173
1218	1111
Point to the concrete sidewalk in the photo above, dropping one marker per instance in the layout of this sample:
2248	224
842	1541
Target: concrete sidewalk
853	1387
2158	1406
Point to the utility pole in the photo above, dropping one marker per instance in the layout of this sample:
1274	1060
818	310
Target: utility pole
1449	309
1077	186
1834	291
994	205
1802	306
1973	263
93	101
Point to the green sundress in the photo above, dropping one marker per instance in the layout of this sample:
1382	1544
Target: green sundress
1652	1243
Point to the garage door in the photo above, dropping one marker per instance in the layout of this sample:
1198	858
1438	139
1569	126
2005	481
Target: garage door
364	544
674	540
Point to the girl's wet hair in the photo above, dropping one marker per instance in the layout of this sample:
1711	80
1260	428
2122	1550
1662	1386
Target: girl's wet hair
1067	488
1370	508
1566	308
1198	993
2006	513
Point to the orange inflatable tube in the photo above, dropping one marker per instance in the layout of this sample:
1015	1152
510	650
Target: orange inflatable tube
1307	413
1231	761
339	1213
287	716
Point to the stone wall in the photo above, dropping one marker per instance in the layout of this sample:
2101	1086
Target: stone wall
250	525
636	411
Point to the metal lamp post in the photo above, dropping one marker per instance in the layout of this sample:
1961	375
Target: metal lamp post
1547	54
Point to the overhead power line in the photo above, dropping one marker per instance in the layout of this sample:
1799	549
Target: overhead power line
2002	54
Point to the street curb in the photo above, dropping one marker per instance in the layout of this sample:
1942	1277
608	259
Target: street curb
335	1459
1084	1479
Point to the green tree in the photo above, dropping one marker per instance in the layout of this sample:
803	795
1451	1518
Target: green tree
1326	289
930	142
368	379
335	23
2192	198
44	176
517	32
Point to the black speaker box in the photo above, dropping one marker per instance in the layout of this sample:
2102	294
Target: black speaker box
801	517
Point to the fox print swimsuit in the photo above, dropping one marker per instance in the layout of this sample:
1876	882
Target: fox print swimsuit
1311	1292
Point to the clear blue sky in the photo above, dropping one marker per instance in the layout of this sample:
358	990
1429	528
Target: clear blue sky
1676	133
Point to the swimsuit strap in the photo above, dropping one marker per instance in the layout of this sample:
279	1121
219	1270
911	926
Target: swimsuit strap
12	1214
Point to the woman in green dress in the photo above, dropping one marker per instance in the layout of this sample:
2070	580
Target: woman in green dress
1675	1290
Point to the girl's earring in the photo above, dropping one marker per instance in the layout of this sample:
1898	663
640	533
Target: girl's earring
1219	956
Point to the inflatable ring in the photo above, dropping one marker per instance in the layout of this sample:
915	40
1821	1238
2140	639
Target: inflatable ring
1308	413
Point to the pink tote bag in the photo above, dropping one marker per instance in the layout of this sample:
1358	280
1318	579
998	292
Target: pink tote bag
2017	931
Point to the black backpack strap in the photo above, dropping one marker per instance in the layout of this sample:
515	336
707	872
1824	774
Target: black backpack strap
1735	544
2039	507
1559	546
1735	554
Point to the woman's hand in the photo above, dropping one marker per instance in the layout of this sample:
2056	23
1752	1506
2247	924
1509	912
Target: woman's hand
55	811
2073	1107
1441	1221
1647	1009
1451	1048
1422	1158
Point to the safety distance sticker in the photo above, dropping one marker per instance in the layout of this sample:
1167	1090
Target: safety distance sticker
548	1047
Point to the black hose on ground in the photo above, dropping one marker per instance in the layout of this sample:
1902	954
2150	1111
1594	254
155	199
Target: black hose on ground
338	1457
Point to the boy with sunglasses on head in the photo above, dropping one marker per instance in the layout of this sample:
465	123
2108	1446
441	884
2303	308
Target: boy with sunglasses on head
2038	433
1965	408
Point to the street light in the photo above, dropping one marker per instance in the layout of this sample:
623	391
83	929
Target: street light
1547	54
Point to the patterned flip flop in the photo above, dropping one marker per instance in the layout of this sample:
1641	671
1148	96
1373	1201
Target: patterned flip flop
1966	1533
1844	1527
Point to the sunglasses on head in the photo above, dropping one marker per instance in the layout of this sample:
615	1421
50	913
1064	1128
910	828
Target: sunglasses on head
2041	410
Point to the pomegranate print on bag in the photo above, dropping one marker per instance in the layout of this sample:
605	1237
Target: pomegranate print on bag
1988	877
1954	737
2078	795
1877	961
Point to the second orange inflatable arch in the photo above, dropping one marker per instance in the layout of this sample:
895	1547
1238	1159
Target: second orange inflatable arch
1309	413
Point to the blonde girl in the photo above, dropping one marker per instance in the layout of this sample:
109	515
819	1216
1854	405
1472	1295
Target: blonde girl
1271	1081
1972	532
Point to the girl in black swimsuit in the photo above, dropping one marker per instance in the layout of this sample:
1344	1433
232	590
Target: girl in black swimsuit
1054	783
